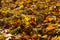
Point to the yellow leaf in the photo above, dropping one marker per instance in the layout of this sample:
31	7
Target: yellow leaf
7	11
34	35
27	23
51	8
21	11
47	0
50	19
45	36
21	6
51	26
27	18
11	21
2	37
57	4
3	11
21	3
45	20
39	35
56	38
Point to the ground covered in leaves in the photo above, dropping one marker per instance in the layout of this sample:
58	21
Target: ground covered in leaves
29	19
